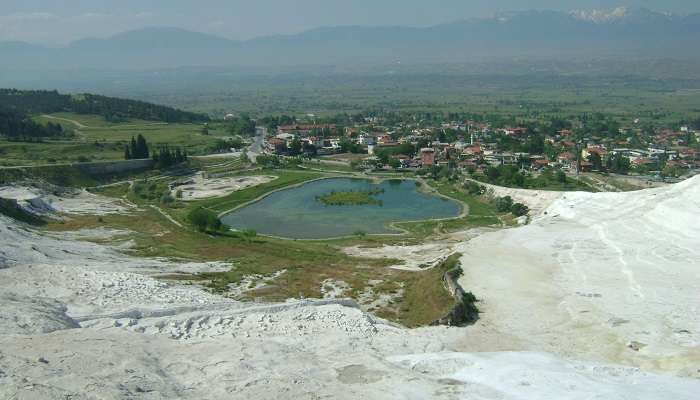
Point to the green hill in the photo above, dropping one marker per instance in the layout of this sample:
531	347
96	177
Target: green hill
111	108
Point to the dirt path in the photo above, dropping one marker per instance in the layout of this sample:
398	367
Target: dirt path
72	121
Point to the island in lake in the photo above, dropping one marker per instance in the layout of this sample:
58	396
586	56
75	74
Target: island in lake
298	212
351	197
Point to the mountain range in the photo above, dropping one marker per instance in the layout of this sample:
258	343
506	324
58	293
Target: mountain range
638	33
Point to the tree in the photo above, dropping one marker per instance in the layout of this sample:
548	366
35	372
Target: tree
492	173
165	157
127	153
203	220
295	147
519	209
594	158
309	149
504	204
474	188
394	163
561	177
619	164
142	147
138	148
383	157
132	147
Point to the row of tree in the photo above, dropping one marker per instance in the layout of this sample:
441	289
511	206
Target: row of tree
164	157
136	149
113	109
616	163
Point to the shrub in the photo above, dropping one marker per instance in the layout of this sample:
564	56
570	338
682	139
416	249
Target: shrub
203	220
519	209
561	177
474	188
504	204
166	199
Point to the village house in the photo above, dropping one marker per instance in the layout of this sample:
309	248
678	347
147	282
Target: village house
567	160
508	131
539	163
384	139
303	129
473	151
427	157
277	146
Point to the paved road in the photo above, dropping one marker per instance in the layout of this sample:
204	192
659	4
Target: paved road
258	145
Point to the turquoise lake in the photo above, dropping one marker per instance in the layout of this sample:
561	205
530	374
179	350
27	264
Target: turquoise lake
296	213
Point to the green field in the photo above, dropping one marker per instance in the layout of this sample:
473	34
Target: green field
95	139
660	94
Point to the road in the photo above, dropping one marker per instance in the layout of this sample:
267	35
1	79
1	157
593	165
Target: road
258	145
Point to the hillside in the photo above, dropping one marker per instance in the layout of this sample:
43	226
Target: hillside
112	109
532	34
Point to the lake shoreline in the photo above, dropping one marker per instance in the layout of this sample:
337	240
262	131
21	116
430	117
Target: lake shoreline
391	226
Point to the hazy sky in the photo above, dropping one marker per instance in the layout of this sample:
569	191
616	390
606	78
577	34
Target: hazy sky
60	21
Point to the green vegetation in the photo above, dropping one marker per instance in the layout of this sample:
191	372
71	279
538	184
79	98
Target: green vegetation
506	204
112	109
482	213
299	267
548	179
165	157
240	126
351	198
96	139
284	179
659	92
204	220
66	175
18	126
150	191
137	149
425	297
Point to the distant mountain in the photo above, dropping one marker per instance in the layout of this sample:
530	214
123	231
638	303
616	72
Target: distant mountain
532	34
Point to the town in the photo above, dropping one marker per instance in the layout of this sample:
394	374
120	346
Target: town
437	144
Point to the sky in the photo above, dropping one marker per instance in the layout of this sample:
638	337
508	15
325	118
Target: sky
61	21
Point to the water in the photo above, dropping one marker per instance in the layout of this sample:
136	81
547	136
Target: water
295	213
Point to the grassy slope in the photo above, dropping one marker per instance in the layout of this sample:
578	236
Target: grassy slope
102	140
481	213
426	299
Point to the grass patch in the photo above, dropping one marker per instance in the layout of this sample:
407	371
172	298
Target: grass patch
481	213
284	179
425	297
351	198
